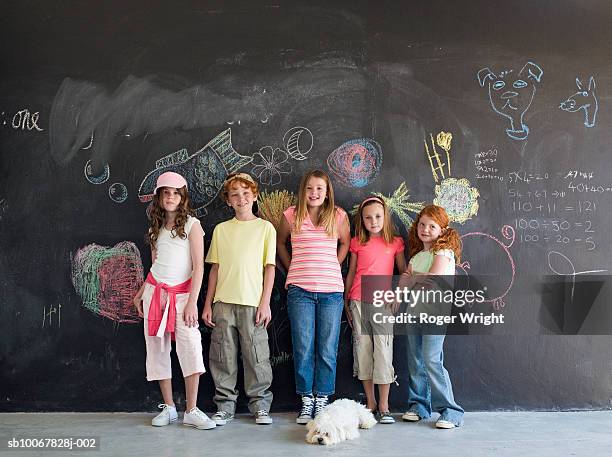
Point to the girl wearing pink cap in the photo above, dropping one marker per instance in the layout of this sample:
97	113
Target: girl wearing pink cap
374	251
168	299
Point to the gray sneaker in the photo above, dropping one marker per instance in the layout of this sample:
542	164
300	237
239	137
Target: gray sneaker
167	416
222	417
262	417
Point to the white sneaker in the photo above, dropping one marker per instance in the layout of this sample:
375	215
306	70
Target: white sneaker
411	416
262	417
441	423
167	415
222	417
196	418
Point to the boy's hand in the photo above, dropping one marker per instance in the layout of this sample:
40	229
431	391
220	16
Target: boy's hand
207	316
190	315
349	314
263	315
138	304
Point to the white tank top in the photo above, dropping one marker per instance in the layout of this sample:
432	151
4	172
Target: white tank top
173	265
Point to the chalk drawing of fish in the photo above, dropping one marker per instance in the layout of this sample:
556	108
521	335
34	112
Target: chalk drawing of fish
204	170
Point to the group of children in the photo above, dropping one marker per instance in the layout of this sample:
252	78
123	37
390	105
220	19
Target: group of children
243	255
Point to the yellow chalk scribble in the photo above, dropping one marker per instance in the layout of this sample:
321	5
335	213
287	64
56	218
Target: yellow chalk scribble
444	141
399	205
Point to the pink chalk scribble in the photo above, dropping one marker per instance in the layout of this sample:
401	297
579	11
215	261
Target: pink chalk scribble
107	279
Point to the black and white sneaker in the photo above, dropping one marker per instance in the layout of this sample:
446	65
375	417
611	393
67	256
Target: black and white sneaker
262	417
321	402
222	417
305	415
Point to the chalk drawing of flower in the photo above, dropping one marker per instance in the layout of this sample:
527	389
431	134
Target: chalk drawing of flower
458	198
269	164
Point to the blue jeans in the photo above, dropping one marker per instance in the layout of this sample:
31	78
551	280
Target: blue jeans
315	330
430	387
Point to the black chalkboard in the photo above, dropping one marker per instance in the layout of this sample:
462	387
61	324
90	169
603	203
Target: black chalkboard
97	99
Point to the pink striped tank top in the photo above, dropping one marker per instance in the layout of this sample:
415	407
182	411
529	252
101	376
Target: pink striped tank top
314	256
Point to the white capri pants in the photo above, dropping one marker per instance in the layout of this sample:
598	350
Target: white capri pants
188	341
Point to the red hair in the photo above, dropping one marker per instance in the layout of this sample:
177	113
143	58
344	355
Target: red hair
448	239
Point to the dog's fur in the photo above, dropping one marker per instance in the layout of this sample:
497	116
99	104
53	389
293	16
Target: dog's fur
339	421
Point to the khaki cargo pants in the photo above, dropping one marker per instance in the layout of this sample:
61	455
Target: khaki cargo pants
235	328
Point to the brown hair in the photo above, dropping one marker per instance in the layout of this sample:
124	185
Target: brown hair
448	239
388	230
327	216
242	178
157	216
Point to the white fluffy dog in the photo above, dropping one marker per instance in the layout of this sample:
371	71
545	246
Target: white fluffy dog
339	421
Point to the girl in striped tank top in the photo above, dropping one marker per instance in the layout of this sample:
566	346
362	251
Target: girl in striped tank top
319	234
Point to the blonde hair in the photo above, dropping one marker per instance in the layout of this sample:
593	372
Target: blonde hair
327	215
388	230
448	239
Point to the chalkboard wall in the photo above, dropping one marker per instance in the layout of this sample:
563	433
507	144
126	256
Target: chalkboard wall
496	110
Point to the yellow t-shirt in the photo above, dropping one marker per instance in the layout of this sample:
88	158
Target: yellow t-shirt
242	249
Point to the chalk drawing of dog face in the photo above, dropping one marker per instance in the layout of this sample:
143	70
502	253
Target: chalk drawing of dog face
511	94
584	99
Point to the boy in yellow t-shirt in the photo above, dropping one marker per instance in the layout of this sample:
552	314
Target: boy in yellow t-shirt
237	304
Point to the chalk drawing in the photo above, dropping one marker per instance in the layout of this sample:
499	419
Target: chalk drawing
107	279
272	205
399	204
509	235
356	162
298	142
90	142
48	316
584	99
269	163
443	139
458	198
118	192
101	178
24	120
567	267
511	94
205	170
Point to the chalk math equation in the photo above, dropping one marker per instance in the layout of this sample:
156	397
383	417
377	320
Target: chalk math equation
556	209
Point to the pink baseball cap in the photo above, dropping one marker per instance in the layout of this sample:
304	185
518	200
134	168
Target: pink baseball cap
170	179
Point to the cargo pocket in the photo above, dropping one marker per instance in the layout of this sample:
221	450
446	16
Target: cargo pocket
260	344
216	347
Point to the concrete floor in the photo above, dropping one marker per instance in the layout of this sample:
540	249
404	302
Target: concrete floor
540	434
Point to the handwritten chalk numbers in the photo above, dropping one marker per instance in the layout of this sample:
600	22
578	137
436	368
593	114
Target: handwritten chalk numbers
52	316
25	120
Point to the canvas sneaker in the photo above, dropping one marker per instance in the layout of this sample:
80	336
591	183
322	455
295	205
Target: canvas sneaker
167	416
411	416
441	423
262	417
320	403
222	417
198	419
385	417
305	415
